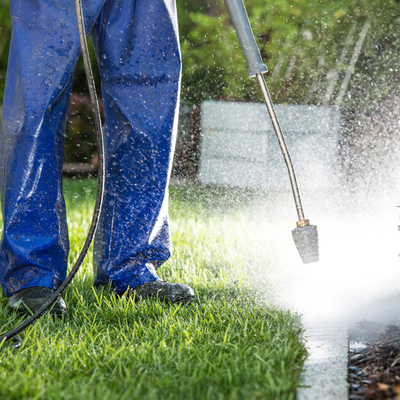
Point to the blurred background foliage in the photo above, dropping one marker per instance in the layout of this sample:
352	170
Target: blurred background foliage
5	33
307	45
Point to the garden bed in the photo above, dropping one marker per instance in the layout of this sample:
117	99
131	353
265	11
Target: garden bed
374	362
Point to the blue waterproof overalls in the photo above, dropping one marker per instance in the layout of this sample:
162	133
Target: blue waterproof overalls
136	42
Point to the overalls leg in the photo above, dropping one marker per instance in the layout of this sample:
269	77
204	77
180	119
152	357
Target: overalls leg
139	57
43	54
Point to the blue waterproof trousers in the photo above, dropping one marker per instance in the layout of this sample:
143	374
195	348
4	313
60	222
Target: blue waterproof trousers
136	42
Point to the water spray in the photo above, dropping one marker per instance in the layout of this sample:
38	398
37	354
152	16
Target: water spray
100	188
305	236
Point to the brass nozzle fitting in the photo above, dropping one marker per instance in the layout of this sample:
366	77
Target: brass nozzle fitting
303	222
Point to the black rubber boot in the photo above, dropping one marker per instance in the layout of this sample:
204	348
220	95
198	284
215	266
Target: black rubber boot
27	301
170	292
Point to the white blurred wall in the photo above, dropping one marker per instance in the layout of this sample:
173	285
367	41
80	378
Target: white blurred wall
239	147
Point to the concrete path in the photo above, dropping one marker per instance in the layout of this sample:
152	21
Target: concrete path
325	374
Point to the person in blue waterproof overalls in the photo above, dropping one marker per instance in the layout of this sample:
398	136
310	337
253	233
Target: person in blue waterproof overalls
136	43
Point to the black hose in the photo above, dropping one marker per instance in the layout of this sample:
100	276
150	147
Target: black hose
100	185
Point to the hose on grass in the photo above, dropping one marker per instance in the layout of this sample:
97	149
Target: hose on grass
100	189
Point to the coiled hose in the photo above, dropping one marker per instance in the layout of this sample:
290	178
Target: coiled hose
100	187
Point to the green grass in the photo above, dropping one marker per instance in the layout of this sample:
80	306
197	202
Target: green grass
228	344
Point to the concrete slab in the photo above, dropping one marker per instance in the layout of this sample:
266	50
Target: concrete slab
325	374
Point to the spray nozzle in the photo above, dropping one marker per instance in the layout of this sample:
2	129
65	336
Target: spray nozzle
305	237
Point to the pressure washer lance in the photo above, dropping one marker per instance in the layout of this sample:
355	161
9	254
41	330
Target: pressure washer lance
305	236
100	188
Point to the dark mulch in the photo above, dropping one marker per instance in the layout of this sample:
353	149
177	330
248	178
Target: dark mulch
374	371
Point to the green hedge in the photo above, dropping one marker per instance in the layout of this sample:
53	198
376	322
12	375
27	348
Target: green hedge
301	42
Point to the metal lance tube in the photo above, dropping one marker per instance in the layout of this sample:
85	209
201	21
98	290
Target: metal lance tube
283	146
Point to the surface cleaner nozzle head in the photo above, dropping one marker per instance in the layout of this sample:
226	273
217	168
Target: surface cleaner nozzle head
306	241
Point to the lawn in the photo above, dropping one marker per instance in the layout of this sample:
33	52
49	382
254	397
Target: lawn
232	342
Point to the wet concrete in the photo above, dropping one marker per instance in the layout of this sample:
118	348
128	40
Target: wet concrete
325	373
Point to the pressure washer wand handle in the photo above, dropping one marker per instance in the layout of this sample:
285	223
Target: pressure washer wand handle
241	23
